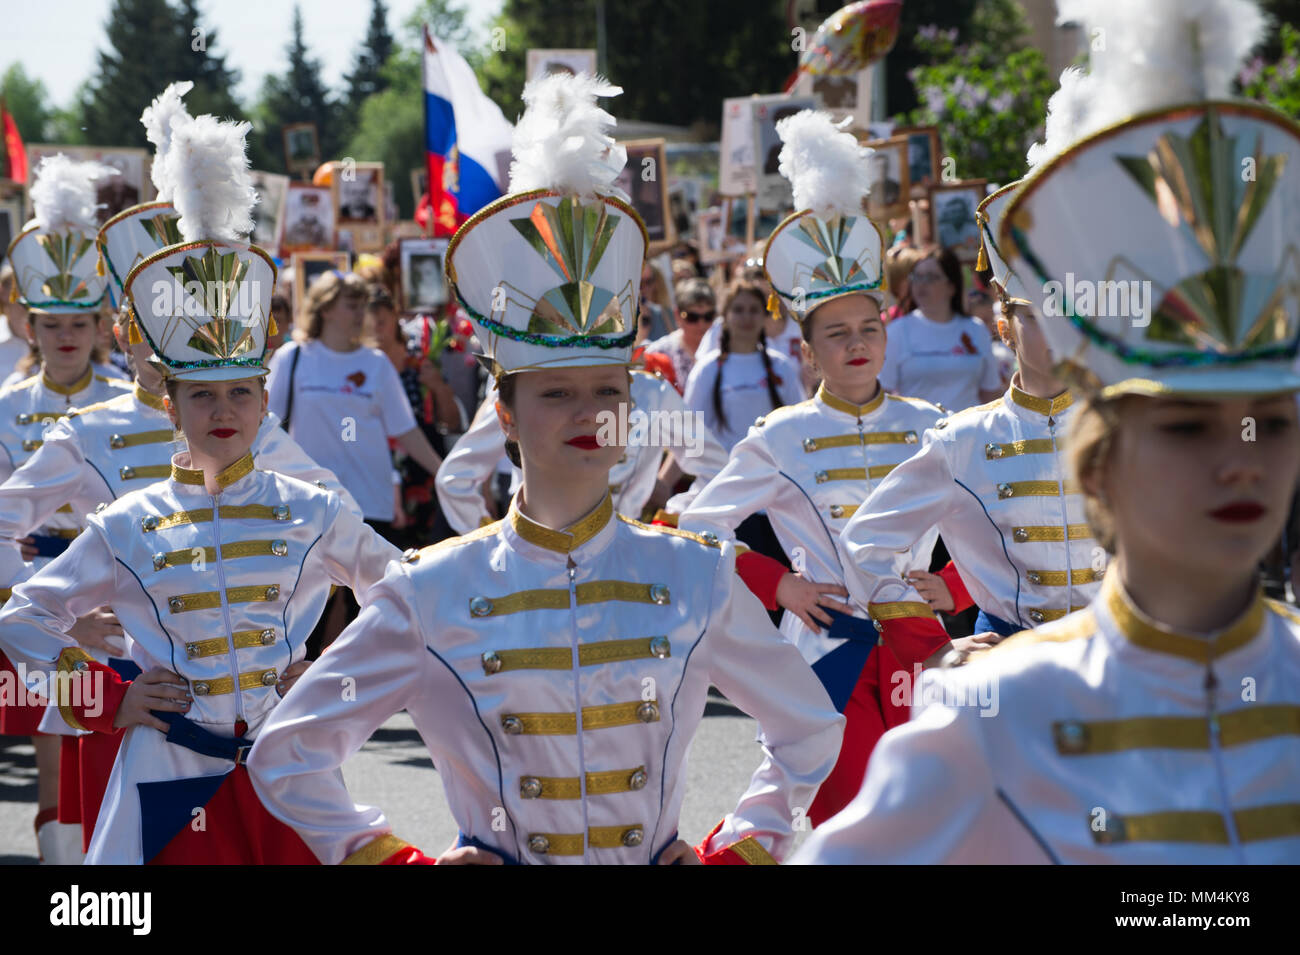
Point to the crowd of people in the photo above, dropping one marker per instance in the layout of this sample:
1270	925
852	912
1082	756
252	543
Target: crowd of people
990	578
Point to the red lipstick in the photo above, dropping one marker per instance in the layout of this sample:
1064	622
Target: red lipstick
67	348
858	361
587	442
222	432
1239	512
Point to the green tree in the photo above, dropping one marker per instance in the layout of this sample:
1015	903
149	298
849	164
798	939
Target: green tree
988	96
133	69
367	77
390	123
1276	82
298	96
150	44
28	103
198	61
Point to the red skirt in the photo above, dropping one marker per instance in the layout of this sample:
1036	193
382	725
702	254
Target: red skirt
869	713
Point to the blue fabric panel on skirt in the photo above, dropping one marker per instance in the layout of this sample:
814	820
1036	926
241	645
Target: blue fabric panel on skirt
47	545
986	621
126	669
839	670
168	806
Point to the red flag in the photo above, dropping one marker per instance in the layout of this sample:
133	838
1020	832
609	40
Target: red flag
14	148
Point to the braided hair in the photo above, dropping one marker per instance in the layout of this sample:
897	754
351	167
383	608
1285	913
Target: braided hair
743	287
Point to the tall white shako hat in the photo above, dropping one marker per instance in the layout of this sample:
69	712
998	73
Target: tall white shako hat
830	248
549	274
53	256
1152	176
204	304
988	215
143	229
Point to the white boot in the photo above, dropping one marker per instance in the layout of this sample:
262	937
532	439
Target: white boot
60	843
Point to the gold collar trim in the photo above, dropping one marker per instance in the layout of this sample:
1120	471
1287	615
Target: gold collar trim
81	384
227	477
1043	406
146	398
848	407
1142	631
567	540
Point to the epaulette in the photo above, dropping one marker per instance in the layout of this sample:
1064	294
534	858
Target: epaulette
98	405
25	383
1072	627
916	402
708	539
412	555
965	412
115	382
781	412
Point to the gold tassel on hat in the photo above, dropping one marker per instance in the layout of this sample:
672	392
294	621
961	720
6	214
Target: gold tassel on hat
13	290
982	260
773	304
99	265
271	327
133	336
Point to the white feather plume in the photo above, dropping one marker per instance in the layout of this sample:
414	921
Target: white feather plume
562	141
1149	54
826	166
159	118
64	194
208	180
1066	113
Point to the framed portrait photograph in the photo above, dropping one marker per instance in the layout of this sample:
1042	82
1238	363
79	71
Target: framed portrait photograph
360	206
923	155
424	287
419	183
268	214
952	216
645	179
11	212
711	234
736	175
129	187
301	147
772	188
308	219
309	266
890	185
546	62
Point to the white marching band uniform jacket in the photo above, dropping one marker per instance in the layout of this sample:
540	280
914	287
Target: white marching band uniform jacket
28	410
557	678
631	481
994	482
1101	738
99	451
809	467
188	574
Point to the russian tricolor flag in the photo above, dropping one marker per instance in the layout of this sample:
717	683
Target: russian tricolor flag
467	139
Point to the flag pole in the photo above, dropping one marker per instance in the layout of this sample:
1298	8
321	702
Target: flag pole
424	147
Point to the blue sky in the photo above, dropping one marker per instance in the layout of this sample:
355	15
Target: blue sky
57	40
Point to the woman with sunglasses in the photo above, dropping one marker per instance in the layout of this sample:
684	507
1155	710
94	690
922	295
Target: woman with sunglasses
810	465
697	308
217	573
556	662
1157	725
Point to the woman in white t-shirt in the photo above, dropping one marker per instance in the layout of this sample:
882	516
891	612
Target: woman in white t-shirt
342	402
745	379
935	352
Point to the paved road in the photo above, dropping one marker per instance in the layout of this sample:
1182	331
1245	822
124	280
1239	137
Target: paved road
393	771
